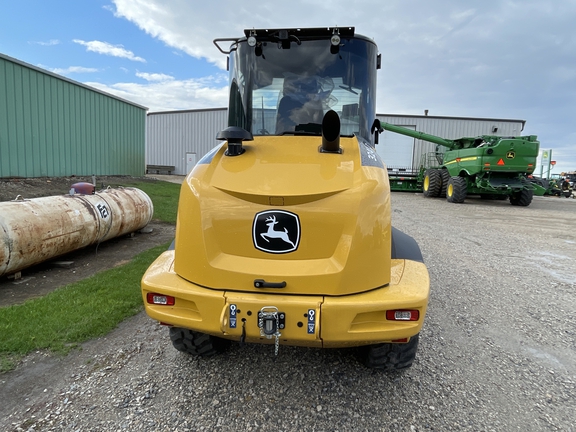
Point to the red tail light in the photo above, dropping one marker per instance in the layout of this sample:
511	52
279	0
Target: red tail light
160	299
403	315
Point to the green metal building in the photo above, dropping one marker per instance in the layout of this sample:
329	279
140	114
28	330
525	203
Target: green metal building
51	126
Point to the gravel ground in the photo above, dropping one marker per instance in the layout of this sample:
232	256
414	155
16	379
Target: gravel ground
497	352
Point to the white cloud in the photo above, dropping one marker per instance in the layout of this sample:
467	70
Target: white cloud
176	24
154	76
171	94
51	42
72	70
184	25
109	49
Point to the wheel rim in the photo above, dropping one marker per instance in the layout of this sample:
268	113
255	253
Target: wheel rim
426	183
450	190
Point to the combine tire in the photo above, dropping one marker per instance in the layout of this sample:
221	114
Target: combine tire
196	343
390	356
432	183
522	198
445	175
456	192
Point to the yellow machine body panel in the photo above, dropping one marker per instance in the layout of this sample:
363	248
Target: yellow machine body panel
314	321
284	233
341	209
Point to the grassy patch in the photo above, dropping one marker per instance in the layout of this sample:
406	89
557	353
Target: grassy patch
74	313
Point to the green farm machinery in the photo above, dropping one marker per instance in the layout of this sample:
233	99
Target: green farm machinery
493	167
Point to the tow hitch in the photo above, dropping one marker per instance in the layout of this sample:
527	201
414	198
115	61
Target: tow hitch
270	321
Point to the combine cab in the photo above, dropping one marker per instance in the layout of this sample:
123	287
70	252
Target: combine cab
570	178
284	232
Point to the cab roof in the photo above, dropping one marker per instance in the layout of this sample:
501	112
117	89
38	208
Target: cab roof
300	33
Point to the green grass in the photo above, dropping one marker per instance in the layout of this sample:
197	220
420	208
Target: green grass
90	308
74	313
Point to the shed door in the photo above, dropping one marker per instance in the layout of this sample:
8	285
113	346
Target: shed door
190	161
396	150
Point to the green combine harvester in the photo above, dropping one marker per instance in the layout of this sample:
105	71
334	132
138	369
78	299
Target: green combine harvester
493	167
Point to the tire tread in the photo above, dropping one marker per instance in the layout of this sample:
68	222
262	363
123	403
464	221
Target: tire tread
391	356
434	183
197	343
459	191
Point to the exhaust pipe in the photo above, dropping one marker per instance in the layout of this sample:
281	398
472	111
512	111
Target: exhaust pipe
331	133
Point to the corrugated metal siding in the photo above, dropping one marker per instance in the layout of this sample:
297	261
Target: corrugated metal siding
54	127
446	127
170	135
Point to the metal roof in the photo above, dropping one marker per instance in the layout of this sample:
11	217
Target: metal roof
187	111
419	116
63	78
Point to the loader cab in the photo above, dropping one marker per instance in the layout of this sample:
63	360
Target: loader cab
284	81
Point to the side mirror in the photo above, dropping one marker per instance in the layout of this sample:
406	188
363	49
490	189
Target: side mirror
376	129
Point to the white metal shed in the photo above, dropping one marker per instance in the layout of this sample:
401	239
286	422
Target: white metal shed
181	138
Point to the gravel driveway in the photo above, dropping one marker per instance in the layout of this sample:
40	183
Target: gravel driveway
497	352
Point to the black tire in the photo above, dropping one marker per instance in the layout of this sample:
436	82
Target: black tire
432	183
456	192
196	343
390	356
445	175
522	198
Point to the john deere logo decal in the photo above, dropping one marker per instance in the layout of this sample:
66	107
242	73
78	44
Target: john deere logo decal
510	155
276	231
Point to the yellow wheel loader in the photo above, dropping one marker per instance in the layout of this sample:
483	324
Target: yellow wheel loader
284	232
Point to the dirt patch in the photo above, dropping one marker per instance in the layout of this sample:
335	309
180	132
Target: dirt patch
39	280
10	188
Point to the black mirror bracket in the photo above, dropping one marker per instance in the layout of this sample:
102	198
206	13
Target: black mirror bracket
234	135
376	129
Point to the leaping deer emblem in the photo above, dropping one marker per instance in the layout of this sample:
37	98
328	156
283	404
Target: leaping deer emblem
271	233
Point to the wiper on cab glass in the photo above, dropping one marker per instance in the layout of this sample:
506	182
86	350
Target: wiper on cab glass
291	132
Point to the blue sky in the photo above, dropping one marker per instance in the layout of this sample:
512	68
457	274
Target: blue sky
493	58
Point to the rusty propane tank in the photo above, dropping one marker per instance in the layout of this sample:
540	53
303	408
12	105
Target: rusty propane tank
34	230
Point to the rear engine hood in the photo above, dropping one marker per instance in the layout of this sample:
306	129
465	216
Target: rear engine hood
285	218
